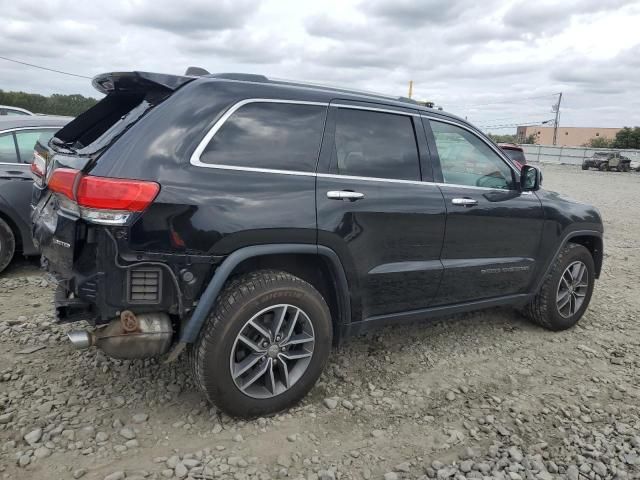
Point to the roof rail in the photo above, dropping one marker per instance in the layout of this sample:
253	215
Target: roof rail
335	88
247	77
250	77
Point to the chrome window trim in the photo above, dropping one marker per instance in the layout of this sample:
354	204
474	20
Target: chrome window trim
43	127
258	169
197	153
373	179
499	152
345	177
195	157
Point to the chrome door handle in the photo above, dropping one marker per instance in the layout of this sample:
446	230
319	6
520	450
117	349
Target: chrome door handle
465	202
344	195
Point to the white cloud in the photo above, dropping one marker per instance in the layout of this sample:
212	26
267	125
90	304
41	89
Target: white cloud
482	60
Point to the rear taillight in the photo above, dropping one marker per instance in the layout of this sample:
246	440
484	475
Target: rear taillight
101	199
115	193
38	169
63	181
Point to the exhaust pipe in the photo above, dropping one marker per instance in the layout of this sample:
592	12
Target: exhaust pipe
130	336
80	339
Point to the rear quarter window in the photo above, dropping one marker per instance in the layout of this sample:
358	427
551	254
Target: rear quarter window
279	136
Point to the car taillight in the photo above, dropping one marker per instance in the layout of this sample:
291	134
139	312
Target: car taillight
102	199
38	169
63	180
115	194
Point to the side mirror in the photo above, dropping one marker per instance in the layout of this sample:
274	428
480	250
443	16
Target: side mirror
530	178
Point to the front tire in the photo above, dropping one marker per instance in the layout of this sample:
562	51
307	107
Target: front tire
264	345
566	291
7	244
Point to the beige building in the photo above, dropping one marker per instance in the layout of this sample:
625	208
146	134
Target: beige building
567	136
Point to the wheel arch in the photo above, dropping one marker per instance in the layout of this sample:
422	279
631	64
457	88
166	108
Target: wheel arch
17	234
590	239
595	246
318	265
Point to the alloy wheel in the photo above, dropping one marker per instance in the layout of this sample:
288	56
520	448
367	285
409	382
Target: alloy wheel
572	289
272	351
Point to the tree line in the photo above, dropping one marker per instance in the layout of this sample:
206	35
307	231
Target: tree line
625	138
56	104
531	139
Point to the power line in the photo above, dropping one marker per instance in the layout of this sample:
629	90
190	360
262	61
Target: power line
528	123
504	101
43	68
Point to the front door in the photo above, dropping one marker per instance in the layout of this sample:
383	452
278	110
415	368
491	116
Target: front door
493	229
375	211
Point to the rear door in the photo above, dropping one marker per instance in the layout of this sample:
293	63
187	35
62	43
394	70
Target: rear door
493	229
375	211
16	152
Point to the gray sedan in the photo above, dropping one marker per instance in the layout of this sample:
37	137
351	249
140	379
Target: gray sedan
18	135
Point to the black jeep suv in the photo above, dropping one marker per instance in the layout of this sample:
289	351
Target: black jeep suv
257	222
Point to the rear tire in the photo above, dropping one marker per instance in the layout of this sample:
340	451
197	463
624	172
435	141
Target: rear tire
284	308
7	244
547	308
585	167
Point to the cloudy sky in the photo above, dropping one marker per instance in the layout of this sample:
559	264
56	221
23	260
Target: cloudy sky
496	62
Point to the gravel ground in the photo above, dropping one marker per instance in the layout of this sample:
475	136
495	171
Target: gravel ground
483	395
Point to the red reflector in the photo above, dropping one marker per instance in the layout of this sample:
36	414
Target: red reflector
115	193
62	180
35	169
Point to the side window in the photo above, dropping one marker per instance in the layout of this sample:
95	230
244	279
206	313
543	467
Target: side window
27	140
375	144
7	148
466	160
283	136
16	113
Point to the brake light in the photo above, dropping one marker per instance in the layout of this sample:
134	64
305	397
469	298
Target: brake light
63	180
102	199
115	194
38	168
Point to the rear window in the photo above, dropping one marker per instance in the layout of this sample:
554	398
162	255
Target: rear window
515	155
108	118
280	136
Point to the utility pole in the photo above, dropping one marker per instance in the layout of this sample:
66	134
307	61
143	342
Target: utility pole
556	108
410	88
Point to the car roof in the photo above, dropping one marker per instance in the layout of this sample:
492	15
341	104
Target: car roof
329	92
11	122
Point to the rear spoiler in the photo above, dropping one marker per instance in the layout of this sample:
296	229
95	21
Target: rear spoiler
133	82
